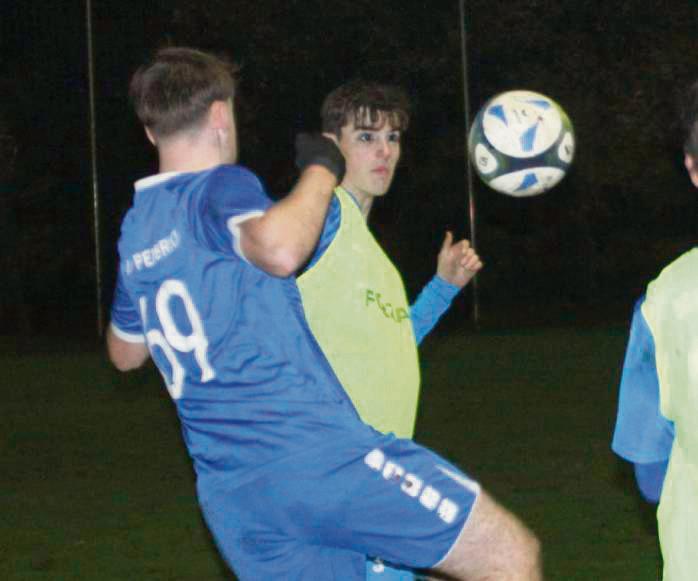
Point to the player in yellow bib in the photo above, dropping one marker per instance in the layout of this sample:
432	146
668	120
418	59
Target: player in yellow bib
354	297
657	424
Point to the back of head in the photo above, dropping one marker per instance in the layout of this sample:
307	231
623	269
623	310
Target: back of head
173	92
366	104
689	120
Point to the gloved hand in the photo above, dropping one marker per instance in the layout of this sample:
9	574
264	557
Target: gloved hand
318	149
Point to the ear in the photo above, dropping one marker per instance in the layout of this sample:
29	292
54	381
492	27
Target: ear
692	168
219	115
151	137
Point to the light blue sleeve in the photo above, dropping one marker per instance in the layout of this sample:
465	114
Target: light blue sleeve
430	304
642	435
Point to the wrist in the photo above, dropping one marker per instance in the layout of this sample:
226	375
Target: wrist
320	176
444	288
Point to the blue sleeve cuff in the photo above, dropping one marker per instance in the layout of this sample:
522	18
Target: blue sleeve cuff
445	290
650	479
430	305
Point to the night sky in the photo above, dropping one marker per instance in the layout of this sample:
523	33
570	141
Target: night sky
596	240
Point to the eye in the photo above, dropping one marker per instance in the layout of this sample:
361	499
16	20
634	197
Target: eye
366	137
394	137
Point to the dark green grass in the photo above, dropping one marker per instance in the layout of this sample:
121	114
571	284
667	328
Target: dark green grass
96	485
530	414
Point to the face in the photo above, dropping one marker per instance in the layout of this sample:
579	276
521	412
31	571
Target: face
371	157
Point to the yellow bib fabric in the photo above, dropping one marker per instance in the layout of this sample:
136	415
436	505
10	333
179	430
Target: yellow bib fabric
671	311
356	306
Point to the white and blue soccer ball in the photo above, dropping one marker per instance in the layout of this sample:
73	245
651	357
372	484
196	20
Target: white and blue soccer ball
521	143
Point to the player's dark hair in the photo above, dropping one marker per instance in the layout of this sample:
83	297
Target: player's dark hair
361	101
175	89
689	120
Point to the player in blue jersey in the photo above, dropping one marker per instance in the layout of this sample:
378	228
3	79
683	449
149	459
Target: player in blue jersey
656	423
291	483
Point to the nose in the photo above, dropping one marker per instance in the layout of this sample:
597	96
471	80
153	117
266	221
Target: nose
383	148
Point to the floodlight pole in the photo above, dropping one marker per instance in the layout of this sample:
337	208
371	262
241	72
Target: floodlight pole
93	155
468	168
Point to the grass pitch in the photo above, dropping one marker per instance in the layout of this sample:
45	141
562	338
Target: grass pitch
96	484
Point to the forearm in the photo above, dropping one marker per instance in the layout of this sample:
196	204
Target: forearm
434	300
282	240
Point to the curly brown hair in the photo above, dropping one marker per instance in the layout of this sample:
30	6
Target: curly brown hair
366	104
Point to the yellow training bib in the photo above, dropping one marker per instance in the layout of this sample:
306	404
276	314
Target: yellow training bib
671	312
356	306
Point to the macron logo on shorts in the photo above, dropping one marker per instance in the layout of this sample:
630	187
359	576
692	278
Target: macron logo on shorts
428	496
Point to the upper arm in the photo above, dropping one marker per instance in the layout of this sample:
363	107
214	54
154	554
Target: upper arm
234	218
126	345
277	237
642	434
260	244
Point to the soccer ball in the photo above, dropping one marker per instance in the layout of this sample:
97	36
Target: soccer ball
521	143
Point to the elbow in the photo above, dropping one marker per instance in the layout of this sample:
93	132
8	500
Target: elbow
124	364
125	356
284	262
123	361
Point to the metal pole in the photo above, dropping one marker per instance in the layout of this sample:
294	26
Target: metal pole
93	155
468	168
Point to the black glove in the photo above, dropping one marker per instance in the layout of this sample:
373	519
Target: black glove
318	149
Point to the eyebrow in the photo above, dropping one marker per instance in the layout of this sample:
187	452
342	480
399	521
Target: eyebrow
374	128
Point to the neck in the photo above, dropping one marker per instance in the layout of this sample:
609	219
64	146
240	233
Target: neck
183	155
364	202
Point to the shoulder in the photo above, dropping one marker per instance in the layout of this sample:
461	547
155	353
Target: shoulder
673	291
227	176
686	262
234	188
684	268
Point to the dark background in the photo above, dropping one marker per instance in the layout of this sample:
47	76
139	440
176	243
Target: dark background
580	253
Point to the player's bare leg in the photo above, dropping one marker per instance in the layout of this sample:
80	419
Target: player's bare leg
494	545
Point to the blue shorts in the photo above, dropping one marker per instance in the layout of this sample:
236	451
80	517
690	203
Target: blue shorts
319	513
376	570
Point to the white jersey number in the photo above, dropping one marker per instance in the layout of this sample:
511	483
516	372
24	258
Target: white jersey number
170	340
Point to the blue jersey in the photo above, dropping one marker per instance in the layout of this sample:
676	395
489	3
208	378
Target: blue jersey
249	381
291	483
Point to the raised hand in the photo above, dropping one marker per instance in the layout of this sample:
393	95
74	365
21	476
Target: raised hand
457	263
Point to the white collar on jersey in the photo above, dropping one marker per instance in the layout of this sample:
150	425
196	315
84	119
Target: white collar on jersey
156	179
